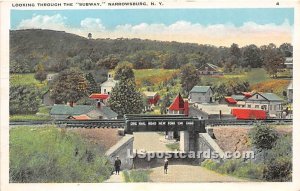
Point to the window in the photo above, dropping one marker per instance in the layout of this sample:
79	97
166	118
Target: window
249	106
104	90
256	106
256	96
270	107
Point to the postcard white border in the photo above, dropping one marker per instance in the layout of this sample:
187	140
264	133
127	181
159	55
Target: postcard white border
5	7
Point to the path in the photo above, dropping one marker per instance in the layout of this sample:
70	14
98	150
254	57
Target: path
116	178
188	173
150	141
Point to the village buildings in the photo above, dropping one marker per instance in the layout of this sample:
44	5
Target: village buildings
201	94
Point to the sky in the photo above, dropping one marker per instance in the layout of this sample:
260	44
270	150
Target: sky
220	27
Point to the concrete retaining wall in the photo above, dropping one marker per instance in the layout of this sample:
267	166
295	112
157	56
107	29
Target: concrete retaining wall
206	143
121	149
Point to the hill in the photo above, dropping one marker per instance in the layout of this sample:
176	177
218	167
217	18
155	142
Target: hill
59	50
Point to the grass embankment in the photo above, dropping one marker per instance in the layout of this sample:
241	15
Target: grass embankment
276	86
137	175
54	155
27	79
42	114
173	146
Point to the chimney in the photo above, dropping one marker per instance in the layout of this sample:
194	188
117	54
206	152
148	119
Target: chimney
220	114
98	104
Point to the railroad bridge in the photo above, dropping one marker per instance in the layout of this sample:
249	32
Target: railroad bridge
189	127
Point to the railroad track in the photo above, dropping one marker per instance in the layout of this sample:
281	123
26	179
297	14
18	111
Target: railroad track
120	123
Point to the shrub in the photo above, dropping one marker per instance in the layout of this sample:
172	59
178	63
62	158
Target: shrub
210	164
263	137
279	170
23	99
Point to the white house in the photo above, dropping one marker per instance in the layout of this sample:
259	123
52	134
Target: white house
288	62
106	87
201	94
269	102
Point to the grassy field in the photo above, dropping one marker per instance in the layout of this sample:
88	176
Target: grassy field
153	76
48	154
276	86
26	79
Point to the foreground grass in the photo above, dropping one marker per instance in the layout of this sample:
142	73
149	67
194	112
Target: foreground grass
50	154
140	175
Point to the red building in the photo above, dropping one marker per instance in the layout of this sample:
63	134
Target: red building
179	106
96	96
241	113
152	97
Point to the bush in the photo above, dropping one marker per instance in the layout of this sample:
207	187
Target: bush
54	155
263	137
210	164
279	170
23	99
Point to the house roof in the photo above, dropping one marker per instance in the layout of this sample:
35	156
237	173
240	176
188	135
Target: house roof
89	110
150	94
104	111
230	100
240	113
212	66
271	97
99	96
289	60
81	117
247	94
200	89
62	109
178	104
238	97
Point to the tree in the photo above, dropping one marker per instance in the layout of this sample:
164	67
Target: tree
252	57
92	85
23	99
124	70
263	137
189	77
40	73
273	60
286	49
166	102
125	98
69	86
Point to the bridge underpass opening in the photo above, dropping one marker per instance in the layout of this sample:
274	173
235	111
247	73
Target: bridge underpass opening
149	137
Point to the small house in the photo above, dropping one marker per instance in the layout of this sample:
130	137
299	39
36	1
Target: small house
201	94
179	106
151	98
98	97
209	69
288	62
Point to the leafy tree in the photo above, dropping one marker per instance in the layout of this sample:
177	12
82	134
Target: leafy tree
125	98
166	102
124	71
92	85
286	49
40	73
252	56
189	77
263	137
110	61
23	99
69	86
273	60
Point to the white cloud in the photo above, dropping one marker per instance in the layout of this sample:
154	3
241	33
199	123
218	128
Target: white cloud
182	31
55	22
92	24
